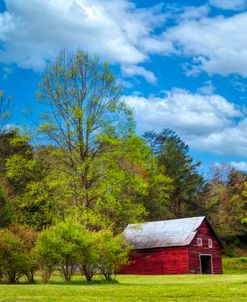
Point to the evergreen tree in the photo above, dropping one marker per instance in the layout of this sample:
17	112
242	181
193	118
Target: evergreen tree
173	156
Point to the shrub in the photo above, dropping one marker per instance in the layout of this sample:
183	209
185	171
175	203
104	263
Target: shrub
113	253
14	261
68	245
88	259
28	237
47	251
59	246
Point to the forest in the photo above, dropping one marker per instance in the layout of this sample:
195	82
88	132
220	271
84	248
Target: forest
70	185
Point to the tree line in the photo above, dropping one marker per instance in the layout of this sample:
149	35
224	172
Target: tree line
84	160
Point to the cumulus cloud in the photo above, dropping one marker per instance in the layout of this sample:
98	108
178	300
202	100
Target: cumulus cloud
242	165
207	122
229	4
141	71
33	31
216	44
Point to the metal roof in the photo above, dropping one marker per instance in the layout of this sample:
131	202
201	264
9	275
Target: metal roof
175	232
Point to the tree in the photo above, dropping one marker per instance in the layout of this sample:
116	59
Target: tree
36	199
12	142
91	131
222	200
83	100
173	155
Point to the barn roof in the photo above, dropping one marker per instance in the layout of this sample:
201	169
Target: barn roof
175	232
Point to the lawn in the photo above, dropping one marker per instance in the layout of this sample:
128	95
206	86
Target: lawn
134	288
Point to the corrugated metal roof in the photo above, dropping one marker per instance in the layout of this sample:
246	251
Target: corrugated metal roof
175	232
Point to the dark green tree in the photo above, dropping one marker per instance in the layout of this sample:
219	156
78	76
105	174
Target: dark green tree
173	155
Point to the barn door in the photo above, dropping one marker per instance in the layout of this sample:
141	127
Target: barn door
206	264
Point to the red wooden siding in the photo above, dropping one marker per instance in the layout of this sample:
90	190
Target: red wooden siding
159	261
205	233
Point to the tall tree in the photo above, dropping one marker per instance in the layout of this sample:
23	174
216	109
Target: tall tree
91	130
173	156
83	100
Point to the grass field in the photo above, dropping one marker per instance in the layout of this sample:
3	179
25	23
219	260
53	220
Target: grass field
232	286
235	265
187	288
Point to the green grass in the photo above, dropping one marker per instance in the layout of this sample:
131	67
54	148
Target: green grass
186	288
232	286
235	265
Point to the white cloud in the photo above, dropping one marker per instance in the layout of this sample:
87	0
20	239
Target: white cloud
218	45
242	166
193	12
229	4
141	71
207	89
207	122
33	31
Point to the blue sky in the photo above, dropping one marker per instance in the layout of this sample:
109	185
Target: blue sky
183	63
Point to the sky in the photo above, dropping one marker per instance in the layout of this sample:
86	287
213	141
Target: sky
183	63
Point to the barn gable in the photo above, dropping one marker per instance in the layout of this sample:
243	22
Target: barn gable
167	233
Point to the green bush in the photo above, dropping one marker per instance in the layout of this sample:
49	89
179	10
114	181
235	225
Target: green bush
14	261
68	245
88	257
102	252
61	246
113	253
28	238
47	251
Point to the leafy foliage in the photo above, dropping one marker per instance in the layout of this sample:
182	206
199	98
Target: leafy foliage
223	200
14	261
6	212
68	244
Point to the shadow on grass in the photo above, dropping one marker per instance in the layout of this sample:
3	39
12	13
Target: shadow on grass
55	282
84	282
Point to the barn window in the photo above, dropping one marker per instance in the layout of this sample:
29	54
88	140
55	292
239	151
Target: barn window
210	243
199	241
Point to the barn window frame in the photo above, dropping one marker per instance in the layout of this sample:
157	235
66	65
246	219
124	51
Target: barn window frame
199	241
210	243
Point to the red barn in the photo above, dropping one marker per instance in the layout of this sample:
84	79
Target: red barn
177	246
